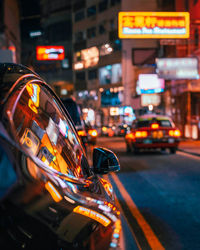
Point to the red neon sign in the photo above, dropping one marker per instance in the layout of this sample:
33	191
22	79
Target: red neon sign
50	53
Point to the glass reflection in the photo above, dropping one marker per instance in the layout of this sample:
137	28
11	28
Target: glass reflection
45	132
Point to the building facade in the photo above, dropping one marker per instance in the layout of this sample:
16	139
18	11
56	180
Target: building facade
106	68
10	42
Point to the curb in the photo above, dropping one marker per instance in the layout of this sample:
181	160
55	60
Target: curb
191	153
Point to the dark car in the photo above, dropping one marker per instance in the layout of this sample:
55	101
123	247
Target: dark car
75	112
153	132
50	197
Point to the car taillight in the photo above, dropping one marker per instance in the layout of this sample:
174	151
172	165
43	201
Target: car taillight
154	125
92	132
139	134
81	133
130	136
175	133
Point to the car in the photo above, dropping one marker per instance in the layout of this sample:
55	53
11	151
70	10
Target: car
50	196
75	112
121	130
153	132
91	133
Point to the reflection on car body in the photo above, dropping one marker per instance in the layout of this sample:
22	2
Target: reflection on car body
151	132
75	113
49	195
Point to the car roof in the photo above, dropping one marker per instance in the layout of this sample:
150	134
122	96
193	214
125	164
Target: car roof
9	74
153	116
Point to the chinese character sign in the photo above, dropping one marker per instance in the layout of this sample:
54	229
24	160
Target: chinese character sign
153	24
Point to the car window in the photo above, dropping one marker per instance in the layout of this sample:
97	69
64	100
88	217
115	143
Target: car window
47	133
147	123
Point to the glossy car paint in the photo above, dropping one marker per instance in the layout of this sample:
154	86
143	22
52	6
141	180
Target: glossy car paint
52	198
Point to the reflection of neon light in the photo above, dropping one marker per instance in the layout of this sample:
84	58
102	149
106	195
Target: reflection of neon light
53	192
33	91
93	215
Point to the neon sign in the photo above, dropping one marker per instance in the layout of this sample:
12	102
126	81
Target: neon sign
50	53
153	24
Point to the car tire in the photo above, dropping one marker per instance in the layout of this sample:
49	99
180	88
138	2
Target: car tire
172	150
128	148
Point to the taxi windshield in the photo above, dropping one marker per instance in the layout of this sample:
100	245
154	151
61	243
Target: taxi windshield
46	132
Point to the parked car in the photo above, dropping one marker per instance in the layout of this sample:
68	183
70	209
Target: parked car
152	132
91	133
50	197
121	130
75	113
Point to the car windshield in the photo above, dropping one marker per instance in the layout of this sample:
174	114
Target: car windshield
46	132
163	122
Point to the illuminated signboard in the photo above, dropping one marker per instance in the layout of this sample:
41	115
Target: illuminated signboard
150	99
177	68
150	83
50	53
86	58
153	24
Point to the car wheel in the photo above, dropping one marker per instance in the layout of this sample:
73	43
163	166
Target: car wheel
172	150
128	148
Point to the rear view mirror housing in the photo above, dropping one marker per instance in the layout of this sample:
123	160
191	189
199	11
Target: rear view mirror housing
104	161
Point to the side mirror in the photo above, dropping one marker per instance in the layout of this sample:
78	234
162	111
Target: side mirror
105	161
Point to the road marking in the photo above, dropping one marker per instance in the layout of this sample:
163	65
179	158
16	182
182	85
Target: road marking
195	157
151	238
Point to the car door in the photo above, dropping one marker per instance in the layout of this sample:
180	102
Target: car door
58	191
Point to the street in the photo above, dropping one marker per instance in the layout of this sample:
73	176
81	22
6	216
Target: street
158	194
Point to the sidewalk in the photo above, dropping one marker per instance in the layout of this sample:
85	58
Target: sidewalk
190	146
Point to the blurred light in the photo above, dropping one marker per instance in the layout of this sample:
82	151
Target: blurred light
35	33
53	191
150	107
63	92
50	52
92	214
69	200
78	65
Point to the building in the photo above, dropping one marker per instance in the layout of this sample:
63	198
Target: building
55	31
106	68
10	42
184	94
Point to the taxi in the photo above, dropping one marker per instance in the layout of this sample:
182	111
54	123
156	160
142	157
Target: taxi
153	132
